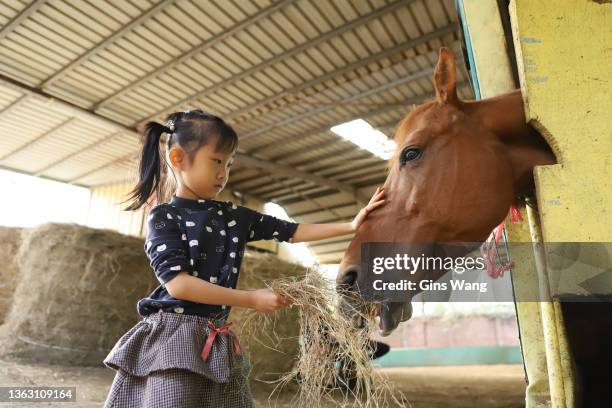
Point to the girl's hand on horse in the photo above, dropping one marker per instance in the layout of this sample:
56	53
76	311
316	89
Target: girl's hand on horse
375	202
267	301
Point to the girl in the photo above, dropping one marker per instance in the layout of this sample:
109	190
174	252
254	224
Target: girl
182	352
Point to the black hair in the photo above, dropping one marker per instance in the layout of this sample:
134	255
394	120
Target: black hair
190	130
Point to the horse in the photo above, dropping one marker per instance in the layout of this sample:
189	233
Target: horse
457	168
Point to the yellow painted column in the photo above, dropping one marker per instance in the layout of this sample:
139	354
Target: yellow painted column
493	69
564	53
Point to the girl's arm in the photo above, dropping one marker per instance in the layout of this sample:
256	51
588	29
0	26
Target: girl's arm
314	232
186	287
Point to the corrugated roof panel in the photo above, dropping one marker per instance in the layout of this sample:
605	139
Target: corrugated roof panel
282	72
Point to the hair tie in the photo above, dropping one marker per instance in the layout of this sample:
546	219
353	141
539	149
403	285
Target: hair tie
170	125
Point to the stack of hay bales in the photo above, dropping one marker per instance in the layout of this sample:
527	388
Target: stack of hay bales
10	240
76	294
272	348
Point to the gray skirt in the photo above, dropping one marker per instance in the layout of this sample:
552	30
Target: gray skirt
159	364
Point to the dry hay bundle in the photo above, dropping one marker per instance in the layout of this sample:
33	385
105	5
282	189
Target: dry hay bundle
270	355
76	294
329	343
10	239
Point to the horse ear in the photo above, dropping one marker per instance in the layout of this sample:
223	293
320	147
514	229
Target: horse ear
445	76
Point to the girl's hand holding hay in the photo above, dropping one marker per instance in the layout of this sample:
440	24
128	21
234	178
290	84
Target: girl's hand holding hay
267	301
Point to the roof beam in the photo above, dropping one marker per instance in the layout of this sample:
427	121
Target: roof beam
23	15
315	211
347	68
70	109
253	162
312	201
289	53
129	156
290	200
345	118
292	172
107	41
339	176
14	105
427	72
348	117
97	143
46	134
211	42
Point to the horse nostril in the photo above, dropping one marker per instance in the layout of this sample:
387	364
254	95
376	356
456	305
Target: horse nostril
347	278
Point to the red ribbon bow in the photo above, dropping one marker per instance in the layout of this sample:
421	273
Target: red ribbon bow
213	333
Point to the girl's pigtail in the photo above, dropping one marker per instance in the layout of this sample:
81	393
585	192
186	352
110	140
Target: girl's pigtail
150	170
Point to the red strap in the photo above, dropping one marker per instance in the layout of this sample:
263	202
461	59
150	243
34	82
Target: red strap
213	333
489	253
515	213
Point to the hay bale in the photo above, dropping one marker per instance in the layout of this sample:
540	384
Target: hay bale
76	295
10	239
272	347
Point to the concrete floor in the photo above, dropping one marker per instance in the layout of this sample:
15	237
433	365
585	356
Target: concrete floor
499	386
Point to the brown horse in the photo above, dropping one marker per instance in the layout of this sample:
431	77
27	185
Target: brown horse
455	172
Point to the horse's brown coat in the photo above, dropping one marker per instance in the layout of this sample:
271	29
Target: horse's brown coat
476	156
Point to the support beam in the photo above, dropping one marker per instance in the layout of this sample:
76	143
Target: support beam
349	180
289	53
77	152
312	201
365	156
209	43
14	105
348	68
427	72
292	172
23	15
315	211
67	108
345	118
339	176
46	134
128	28
369	114
246	159
129	156
322	193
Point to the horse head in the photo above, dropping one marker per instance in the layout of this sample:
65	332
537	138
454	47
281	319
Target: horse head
454	174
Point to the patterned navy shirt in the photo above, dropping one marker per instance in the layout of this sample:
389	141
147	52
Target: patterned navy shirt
205	238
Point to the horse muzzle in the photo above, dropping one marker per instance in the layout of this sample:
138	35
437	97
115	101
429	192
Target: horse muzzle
390	314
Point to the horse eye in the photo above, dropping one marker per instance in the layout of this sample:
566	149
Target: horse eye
410	154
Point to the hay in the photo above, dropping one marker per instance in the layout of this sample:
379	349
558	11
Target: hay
76	294
10	239
270	356
327	338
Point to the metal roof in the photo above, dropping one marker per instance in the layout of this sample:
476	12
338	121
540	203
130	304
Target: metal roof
78	78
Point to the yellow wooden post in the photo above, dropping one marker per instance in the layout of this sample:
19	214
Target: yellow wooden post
493	68
564	54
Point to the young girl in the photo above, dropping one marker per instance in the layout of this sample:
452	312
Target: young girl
182	352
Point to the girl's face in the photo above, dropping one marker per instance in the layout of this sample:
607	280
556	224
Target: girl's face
207	174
